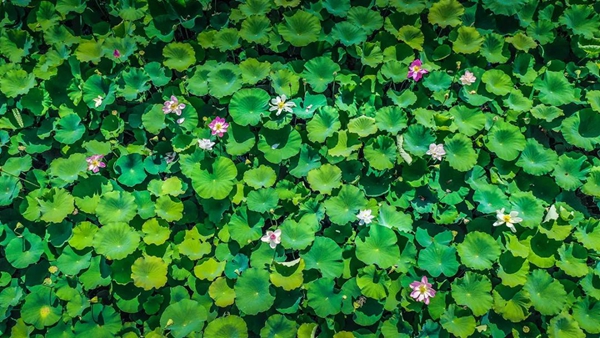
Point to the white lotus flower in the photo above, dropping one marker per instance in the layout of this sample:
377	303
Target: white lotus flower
280	104
365	217
468	78
272	237
436	151
98	101
509	219
205	144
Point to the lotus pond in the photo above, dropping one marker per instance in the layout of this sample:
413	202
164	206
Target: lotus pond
299	168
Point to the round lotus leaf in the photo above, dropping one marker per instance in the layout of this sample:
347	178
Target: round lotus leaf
458	322
446	13
41	307
16	82
116	206
373	283
326	256
25	250
323	298
179	56
377	245
581	129
224	80
478	251
547	295
116	241
253	291
262	200
344	207
149	272
247	106
300	29
130	169
227	327
348	34
279	326
279	145
185	316
261	177
221	292
216	183
506	141
320	72
325	178
497	82
474	291
438	259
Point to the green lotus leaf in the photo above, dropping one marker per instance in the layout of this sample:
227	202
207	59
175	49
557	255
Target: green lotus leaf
245	227
288	275
438	259
337	7
261	177
88	50
554	89
104	320
325	178
158	75
326	256
153	119
522	42
366	19
446	13
23	251
587	313
179	56
517	102
573	259
240	140
381	152
197	84
323	125
391	119
41	307
255	7
468	121
300	29
253	291
320	72
592	186
169	209
494	49
254	71
224	80
287	3
563	325
216	183
155	231
185	316
548	113
116	206
136	81
377	245
256	28
16	82
15	44
69	129
497	82
409	7
478	251
437	81
278	325
460	153
322	297
581	129
581	20
547	295
262	200
536	159
83	235
412	36
373	283
10	189
468	40
343	144
542	31
299	235
504	7
247	106
344	207
130	169
363	126
506	141
97	87
284	81
227	39
192	246
209	269
474	291
71	262
458	322
227	327
348	34
149	272
279	145
417	139
511	303
221	293
54	206
391	218
116	241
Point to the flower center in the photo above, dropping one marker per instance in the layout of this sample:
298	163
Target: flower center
95	163
218	126
506	218
281	105
416	68
423	289
174	105
273	237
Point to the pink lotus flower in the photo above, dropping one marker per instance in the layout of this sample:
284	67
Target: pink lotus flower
173	106
116	53
468	78
272	237
218	126
95	163
422	291
415	71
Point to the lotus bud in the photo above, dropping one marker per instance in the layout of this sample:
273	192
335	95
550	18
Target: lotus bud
21	148
75	211
578	72
272	211
47	281
472	92
458	65
18	226
114	112
466	221
53	269
94	300
169	322
204	118
344	297
247	162
526	329
142	52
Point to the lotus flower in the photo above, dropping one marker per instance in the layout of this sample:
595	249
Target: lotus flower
280	104
468	78
116	53
95	163
365	217
98	101
422	291
272	237
436	151
509	219
205	144
173	106
415	71
218	126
